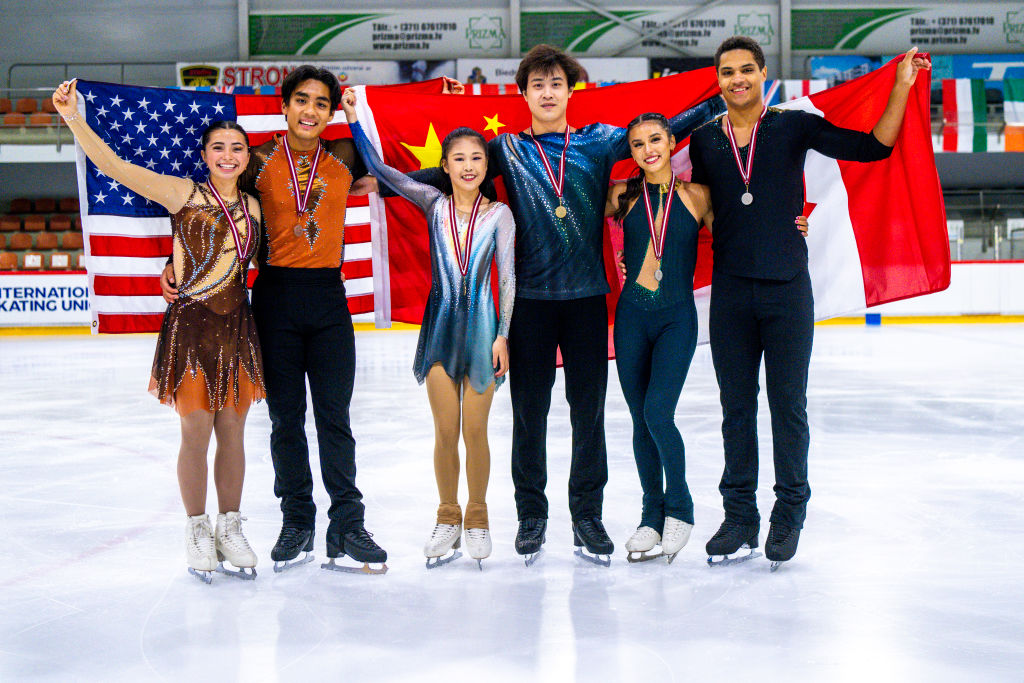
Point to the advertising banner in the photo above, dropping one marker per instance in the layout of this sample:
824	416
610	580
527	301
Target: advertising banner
583	32
932	26
225	76
384	34
44	300
599	70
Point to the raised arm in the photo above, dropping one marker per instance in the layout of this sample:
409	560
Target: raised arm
171	192
421	194
888	126
680	125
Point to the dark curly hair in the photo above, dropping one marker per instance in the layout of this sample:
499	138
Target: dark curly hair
741	43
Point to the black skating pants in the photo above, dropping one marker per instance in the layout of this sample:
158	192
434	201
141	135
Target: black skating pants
579	328
751	318
305	331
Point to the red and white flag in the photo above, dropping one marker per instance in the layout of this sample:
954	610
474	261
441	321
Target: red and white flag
877	230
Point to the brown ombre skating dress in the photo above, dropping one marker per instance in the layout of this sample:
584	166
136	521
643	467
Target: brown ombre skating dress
208	353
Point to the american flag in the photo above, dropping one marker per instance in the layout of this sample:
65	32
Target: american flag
128	237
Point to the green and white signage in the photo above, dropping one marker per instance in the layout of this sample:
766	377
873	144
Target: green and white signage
590	33
933	27
385	34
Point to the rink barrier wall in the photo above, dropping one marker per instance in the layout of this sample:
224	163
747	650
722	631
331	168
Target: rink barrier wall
981	291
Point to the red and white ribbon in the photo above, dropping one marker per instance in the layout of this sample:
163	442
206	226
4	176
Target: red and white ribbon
242	251
301	203
745	172
658	241
463	258
559	185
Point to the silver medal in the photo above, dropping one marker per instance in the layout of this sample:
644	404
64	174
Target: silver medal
657	275
747	199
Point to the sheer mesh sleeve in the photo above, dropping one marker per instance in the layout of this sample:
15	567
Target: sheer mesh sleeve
505	254
169	191
418	193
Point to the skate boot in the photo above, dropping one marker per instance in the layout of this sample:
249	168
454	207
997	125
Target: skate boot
641	543
781	544
590	534
199	548
675	536
359	545
478	545
443	540
232	546
728	544
530	538
292	541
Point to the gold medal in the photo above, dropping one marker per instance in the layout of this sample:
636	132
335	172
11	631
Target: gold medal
559	182
561	211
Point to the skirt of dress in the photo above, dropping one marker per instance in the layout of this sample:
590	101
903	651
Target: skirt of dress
207	361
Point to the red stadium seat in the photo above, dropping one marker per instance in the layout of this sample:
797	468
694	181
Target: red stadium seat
35	224
40	119
71	241
19	241
60	223
76	223
47	106
46	241
67	205
10	223
8	261
45	205
14	120
21	205
26	105
5	106
3	241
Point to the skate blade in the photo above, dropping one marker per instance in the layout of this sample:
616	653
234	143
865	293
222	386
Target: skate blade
670	556
727	560
480	565
635	556
204	576
366	568
284	565
435	562
530	558
599	560
775	565
239	573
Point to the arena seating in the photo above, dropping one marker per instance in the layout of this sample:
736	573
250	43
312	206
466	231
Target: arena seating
41	234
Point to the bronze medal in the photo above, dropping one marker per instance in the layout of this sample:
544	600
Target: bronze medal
298	230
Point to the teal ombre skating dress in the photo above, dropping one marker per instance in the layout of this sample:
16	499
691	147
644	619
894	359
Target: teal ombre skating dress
459	322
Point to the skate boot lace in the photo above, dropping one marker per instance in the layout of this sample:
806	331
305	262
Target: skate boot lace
201	537
442	532
233	535
779	534
476	535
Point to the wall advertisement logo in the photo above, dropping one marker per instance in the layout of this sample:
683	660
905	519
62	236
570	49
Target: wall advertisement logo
199	75
485	33
1013	27
756	26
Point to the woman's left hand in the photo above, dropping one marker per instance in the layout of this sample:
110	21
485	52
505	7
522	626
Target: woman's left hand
500	356
801	225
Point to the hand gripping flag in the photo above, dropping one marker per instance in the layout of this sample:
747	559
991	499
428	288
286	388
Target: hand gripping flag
128	238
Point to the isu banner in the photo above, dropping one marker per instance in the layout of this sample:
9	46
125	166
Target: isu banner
44	300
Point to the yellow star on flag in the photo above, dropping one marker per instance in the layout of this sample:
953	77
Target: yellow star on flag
493	124
429	154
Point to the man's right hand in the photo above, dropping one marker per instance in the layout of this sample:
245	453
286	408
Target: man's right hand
363	186
167	283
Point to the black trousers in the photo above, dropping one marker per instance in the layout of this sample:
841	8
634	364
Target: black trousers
750	318
305	330
579	328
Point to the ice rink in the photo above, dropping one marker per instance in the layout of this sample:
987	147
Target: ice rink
910	568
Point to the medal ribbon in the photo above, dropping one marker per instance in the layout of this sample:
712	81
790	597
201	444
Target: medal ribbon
242	251
658	241
300	204
560	184
745	173
463	258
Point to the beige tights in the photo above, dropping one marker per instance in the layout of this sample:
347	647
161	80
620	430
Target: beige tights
472	413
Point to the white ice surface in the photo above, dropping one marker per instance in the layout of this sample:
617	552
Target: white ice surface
910	567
